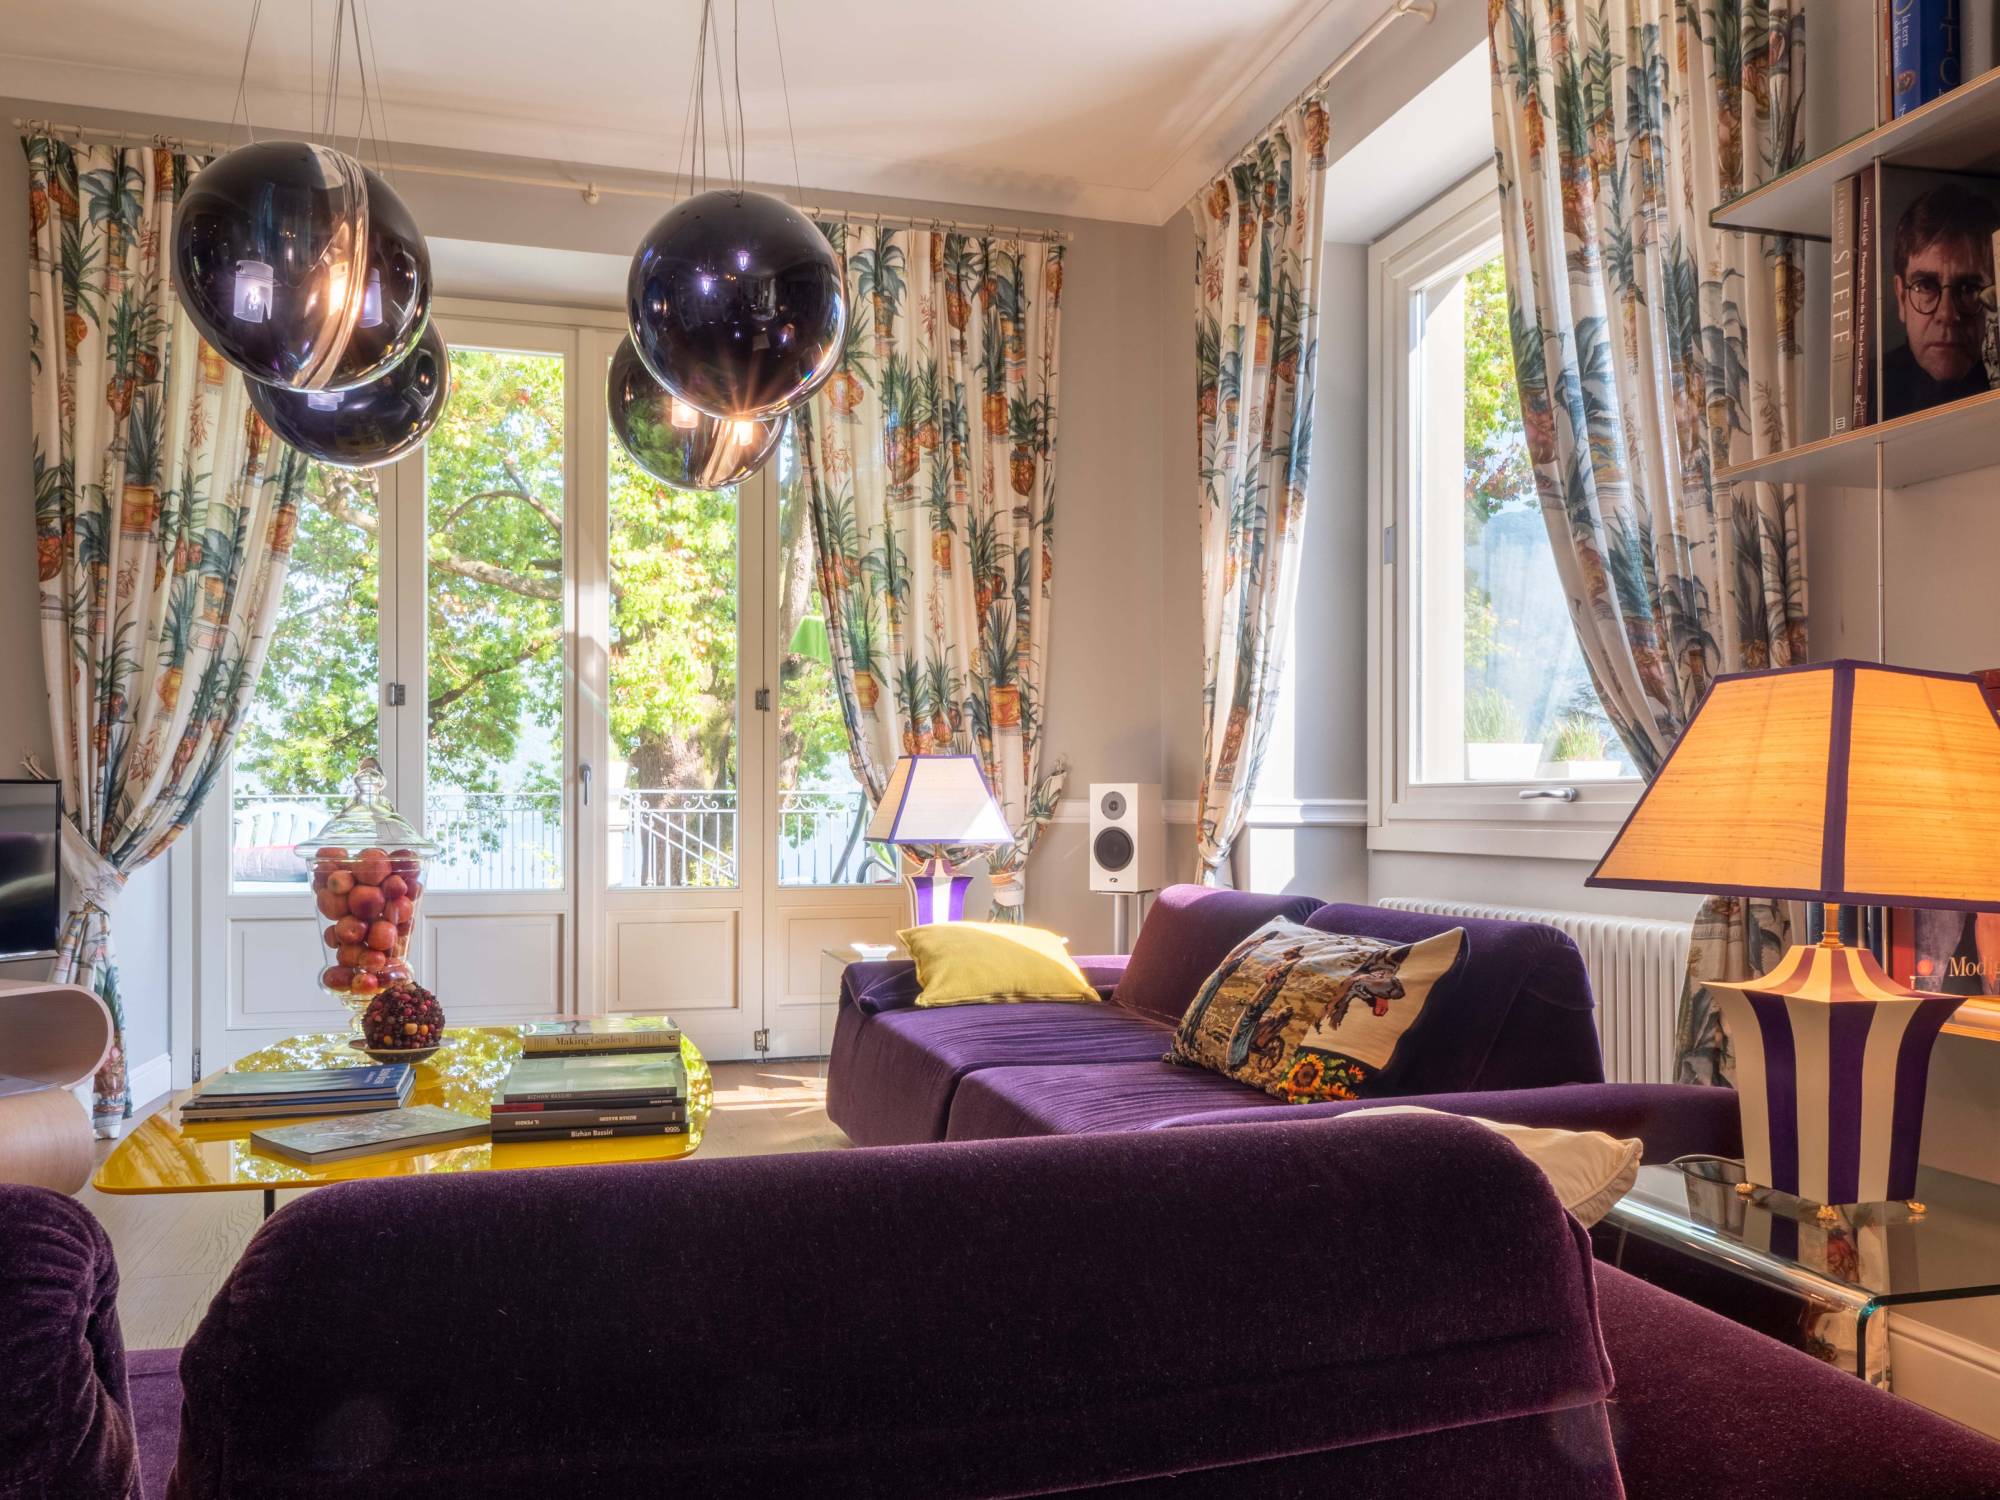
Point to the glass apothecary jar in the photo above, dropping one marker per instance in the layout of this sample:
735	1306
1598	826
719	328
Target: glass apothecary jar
368	867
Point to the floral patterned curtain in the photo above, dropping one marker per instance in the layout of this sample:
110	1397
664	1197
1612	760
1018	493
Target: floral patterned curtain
929	459
164	514
1256	338
1650	350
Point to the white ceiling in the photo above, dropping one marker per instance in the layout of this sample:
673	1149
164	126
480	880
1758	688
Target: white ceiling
1113	109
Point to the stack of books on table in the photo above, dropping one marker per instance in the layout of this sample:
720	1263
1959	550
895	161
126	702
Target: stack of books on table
567	1036
313	1091
592	1096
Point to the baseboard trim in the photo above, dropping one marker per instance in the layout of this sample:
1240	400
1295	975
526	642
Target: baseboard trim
150	1079
1953	1375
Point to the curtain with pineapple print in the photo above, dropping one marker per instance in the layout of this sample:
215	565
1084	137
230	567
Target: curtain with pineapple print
1651	350
1256	328
930	466
164	514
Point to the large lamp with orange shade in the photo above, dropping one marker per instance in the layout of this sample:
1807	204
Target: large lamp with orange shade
1851	784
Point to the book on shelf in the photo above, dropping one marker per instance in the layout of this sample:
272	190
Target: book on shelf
424	1128
566	1035
619	1078
1885	61
1840	377
1861	387
306	1091
510	1119
592	1132
1924	51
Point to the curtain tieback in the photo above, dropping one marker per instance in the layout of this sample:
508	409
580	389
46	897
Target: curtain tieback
97	880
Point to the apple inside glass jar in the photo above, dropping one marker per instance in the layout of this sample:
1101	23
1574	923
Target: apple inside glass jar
368	899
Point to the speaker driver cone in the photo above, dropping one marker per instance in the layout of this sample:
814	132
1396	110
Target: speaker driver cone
1112	849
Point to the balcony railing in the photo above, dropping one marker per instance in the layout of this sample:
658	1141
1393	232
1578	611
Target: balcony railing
660	837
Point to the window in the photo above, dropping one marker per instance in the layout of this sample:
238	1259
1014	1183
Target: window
1486	709
564	667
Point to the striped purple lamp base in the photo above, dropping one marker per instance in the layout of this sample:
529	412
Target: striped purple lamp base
937	894
1832	1059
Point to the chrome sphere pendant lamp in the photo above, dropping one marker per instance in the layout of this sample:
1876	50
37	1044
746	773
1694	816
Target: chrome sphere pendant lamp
364	426
296	263
735	300
679	446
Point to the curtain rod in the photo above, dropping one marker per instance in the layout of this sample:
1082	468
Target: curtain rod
589	191
1424	10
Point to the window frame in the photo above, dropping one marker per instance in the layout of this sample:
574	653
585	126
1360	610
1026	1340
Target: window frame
1404	814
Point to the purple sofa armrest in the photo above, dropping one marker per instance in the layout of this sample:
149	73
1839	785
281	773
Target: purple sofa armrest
1245	1296
891	983
65	1414
874	986
1669	1119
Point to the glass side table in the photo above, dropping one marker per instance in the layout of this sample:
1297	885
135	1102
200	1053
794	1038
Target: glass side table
833	962
1940	1246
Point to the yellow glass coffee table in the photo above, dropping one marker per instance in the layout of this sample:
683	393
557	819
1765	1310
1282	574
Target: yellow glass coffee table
165	1155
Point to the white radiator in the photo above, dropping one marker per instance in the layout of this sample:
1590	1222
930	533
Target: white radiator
1636	966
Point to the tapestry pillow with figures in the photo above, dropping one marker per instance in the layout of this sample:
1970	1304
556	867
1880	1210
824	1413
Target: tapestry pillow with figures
1308	1016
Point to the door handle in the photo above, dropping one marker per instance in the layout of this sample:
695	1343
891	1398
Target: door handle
583	775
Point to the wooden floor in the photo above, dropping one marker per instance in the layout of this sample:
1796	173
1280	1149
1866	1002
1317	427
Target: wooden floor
175	1248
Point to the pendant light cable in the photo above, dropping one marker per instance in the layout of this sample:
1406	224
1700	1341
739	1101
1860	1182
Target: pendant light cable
722	101
385	143
785	87
742	134
242	105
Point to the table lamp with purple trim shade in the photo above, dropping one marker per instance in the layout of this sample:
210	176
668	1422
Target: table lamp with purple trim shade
1851	784
938	802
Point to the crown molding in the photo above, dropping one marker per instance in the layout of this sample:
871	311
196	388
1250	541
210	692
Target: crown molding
181	98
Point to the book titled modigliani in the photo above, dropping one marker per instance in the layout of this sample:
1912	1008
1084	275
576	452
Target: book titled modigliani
1949	952
1935	255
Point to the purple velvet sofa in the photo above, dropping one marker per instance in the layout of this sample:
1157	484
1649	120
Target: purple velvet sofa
1128	1314
1514	1013
1508	1035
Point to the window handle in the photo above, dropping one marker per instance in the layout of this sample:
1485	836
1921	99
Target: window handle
1548	794
583	775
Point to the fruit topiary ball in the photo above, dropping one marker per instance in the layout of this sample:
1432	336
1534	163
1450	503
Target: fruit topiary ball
403	1015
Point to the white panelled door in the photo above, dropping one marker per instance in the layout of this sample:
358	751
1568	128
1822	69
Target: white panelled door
608	701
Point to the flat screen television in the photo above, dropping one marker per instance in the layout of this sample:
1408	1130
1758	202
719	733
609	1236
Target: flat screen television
30	868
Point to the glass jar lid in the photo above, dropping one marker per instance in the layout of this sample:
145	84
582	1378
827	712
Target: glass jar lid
368	821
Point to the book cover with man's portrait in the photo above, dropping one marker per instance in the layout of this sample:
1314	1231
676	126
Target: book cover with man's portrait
1935	253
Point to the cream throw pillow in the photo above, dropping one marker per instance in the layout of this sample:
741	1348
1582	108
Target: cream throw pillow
1589	1170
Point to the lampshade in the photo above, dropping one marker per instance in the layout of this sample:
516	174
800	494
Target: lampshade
1844	782
938	799
1856	785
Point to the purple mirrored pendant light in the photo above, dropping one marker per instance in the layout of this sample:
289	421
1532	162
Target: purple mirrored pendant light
302	267
736	310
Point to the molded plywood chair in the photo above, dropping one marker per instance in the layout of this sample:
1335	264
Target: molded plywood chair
52	1038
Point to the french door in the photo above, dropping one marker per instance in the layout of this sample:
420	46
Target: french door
609	704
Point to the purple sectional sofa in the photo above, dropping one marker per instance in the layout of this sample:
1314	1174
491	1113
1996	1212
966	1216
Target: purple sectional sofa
1509	1036
1129	1314
1515	1013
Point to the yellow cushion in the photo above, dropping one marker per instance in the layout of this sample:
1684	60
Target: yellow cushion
990	963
